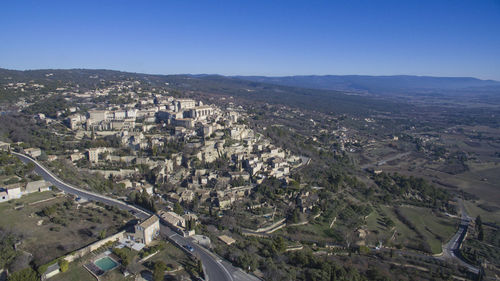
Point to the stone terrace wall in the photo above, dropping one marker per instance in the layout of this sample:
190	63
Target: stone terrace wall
94	246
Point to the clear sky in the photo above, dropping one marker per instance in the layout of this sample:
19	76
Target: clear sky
438	38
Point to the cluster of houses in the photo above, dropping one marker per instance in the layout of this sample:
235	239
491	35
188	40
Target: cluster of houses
151	120
143	122
208	131
179	222
16	190
128	117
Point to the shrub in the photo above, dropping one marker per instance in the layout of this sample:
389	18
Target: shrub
159	271
27	274
124	255
364	249
63	265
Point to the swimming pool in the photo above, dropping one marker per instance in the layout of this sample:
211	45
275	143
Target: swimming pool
106	263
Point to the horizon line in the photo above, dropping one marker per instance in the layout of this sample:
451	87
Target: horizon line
253	75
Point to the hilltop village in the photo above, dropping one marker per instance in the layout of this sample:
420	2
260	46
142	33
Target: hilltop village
272	188
175	150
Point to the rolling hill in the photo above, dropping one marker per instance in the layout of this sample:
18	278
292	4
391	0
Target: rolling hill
383	85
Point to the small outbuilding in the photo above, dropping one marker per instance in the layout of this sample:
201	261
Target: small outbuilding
226	239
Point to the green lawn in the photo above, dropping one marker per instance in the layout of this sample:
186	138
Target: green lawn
377	231
75	272
27	199
116	275
170	255
436	230
314	231
403	233
372	220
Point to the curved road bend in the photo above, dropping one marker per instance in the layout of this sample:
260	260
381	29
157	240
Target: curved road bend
48	176
451	250
214	266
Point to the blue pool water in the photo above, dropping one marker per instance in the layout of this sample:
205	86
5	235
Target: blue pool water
105	263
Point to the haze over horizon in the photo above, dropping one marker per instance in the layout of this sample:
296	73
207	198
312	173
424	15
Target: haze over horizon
268	76
282	38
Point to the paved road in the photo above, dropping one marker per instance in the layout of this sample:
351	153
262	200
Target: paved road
209	261
216	268
451	250
48	176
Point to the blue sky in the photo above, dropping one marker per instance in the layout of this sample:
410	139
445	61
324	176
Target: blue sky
438	38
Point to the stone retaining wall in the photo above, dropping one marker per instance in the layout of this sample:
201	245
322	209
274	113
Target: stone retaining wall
94	246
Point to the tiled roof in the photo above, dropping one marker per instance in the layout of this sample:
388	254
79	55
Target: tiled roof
149	222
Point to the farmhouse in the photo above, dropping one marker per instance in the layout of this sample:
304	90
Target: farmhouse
226	239
33	152
147	230
37	186
14	190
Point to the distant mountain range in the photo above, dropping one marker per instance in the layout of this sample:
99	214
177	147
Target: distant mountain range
341	94
249	91
380	85
398	84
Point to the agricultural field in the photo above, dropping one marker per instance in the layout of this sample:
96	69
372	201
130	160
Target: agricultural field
380	229
481	179
412	226
435	228
488	212
316	231
376	153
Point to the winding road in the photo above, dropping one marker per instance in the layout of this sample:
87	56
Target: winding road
451	250
216	268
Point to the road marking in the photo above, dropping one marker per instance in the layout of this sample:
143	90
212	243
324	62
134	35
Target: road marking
230	277
216	259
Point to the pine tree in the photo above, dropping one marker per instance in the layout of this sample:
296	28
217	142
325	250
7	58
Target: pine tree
480	235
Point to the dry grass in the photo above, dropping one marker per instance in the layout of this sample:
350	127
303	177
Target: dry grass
51	240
